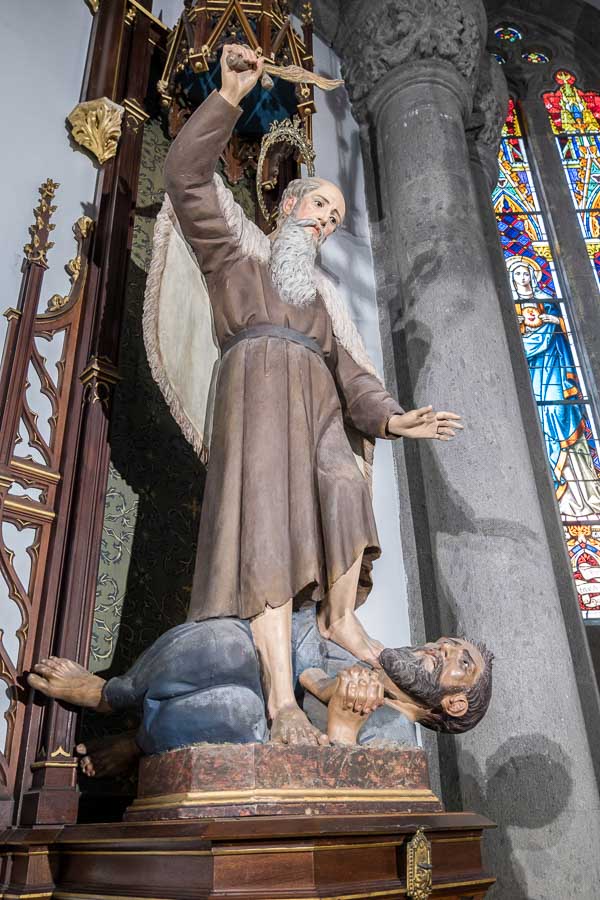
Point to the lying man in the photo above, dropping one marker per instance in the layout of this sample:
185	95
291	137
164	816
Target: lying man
200	682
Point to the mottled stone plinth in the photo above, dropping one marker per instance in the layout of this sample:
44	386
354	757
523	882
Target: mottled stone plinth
209	780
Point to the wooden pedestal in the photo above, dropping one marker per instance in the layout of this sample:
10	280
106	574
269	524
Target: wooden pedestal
262	822
249	858
230	780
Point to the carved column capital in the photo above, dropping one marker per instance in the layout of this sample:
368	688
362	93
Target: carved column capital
382	36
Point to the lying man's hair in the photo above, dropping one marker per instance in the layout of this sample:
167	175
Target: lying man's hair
478	697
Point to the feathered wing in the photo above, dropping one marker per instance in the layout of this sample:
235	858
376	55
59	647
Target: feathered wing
178	332
178	329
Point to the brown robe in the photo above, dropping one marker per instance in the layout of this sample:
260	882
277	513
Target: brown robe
286	509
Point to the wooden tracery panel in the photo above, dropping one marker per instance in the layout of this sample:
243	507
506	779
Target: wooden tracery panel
35	384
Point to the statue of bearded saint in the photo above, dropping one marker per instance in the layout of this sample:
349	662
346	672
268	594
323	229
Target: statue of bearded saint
287	514
254	351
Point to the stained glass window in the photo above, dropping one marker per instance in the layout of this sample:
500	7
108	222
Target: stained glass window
508	33
575	118
500	58
558	382
535	57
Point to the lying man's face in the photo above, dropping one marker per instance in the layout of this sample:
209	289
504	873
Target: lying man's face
325	207
449	680
459	662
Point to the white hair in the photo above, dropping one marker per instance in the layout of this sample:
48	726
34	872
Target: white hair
298	188
292	261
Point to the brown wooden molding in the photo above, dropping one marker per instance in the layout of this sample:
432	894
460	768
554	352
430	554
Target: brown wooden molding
118	68
305	856
76	268
39	510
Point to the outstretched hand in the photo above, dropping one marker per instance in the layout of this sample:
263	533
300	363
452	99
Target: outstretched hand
425	423
235	85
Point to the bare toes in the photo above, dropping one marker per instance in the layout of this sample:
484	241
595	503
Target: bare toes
42	668
37	683
87	766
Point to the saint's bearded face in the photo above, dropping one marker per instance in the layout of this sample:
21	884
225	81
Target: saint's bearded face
309	220
292	262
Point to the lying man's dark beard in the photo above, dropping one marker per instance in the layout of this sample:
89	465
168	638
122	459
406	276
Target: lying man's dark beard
410	675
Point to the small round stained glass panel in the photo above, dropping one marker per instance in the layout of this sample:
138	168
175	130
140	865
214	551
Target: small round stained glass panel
508	33
535	57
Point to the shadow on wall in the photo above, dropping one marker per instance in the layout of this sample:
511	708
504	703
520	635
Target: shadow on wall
348	153
526	785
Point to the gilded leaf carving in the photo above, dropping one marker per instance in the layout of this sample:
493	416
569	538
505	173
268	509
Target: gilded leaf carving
96	125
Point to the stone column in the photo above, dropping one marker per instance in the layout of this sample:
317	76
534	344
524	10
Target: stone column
412	68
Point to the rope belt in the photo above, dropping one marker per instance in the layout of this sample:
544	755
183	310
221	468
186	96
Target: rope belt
276	331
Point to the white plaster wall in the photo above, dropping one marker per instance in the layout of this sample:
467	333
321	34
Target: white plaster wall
43	47
348	259
168	11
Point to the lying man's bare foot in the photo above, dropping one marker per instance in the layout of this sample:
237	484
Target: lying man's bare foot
114	755
351	697
291	726
66	680
349	634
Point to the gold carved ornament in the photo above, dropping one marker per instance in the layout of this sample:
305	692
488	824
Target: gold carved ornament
36	250
81	229
98	379
419	871
290	132
96	125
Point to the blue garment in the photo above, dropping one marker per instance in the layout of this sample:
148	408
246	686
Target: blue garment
200	682
554	380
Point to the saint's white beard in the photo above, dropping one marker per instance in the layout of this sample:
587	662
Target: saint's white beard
292	262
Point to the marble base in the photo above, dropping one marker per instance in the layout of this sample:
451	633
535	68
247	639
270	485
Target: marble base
225	780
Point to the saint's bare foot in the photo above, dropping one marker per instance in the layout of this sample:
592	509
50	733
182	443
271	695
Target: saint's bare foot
350	634
291	726
114	755
66	680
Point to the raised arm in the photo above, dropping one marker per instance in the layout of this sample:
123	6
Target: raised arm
192	160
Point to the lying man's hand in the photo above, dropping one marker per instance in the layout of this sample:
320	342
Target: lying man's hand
351	697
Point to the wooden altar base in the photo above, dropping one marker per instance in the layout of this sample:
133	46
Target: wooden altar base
261	822
247	858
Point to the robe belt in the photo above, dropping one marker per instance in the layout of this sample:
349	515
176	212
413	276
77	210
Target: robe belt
276	331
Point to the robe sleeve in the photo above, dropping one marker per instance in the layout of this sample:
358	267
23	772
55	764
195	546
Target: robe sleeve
366	404
189	169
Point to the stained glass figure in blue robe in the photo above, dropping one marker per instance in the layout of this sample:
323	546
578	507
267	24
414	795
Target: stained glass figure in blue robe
569	442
